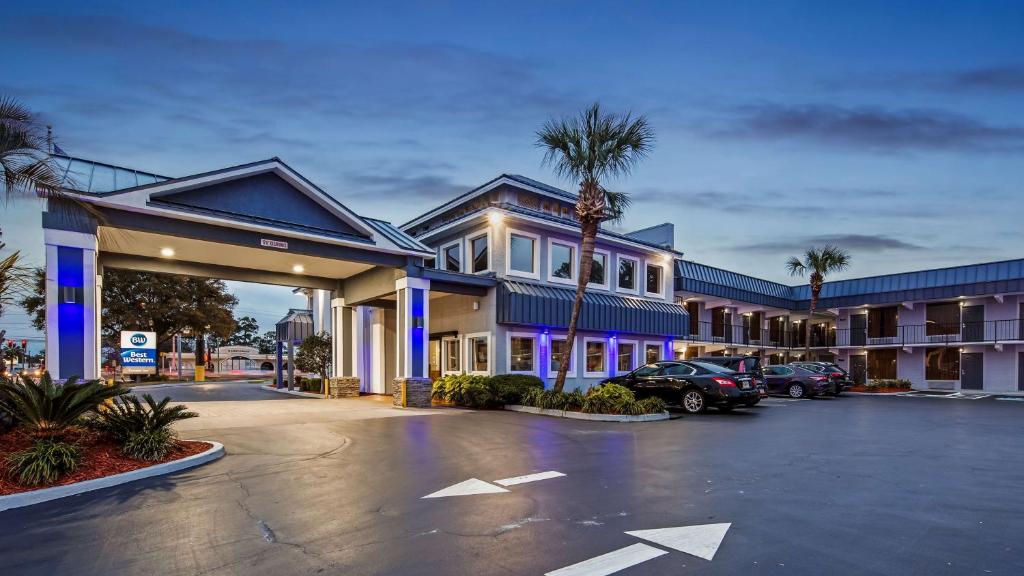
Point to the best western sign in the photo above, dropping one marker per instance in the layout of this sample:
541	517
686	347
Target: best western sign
138	352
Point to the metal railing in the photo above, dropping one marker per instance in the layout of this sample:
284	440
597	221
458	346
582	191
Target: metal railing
988	331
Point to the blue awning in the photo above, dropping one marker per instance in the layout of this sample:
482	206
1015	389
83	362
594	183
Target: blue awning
536	305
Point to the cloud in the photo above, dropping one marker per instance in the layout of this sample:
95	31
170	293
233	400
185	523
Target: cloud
997	78
871	128
852	242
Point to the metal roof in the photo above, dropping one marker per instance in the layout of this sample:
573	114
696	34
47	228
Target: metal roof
941	283
296	325
97	177
541	305
401	239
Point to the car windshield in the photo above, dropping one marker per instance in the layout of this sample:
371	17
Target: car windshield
713	367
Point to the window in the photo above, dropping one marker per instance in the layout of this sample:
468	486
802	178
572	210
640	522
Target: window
627	274
652	352
648	370
451	257
478	348
693	309
562	262
941	363
680	370
882	364
558	345
599	270
595	361
522	350
480	254
430	262
523	254
451	359
626	356
655	274
755	328
882	322
943	319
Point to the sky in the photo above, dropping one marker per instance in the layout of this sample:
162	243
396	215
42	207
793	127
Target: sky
893	129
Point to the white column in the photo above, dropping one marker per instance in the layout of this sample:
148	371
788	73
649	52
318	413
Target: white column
72	304
413	333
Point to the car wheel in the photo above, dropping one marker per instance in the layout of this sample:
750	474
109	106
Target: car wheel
796	391
693	401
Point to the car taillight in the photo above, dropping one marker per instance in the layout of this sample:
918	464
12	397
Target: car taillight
724	382
837	374
819	378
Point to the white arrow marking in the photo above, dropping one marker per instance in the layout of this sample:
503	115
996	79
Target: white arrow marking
611	562
701	541
467	488
528	478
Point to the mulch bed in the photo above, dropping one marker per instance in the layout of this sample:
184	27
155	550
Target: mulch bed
101	457
877	389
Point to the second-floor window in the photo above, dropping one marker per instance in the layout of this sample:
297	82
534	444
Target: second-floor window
451	257
562	261
480	257
522	254
627	274
942	319
599	270
655	276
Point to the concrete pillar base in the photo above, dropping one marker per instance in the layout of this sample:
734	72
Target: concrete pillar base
412	392
343	387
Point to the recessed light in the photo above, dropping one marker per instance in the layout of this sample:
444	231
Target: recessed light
167	252
298	268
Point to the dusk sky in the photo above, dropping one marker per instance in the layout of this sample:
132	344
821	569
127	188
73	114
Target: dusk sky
894	129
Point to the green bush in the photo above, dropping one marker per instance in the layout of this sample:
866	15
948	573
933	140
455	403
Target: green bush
44	462
509	388
574	400
653	405
144	431
464	390
531	397
47	408
552	400
898	383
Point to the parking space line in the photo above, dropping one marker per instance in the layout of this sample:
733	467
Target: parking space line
467	488
528	478
611	562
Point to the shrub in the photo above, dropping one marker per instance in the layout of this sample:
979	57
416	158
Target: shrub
574	400
898	383
608	399
47	408
45	461
552	400
143	431
509	388
531	397
652	405
464	390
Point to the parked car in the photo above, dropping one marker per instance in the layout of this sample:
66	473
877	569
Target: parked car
741	364
795	382
691	385
835	375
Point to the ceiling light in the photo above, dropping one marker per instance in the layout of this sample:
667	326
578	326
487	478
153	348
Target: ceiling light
167	252
298	268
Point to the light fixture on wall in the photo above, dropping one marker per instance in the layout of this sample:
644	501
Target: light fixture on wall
167	252
495	217
476	304
298	268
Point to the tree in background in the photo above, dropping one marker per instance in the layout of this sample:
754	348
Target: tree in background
34	301
25	164
314	355
267	343
209	310
820	263
14	280
590	149
247	333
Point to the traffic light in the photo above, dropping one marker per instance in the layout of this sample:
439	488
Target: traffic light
24	344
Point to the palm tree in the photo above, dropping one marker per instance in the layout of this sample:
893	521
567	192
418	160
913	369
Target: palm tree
25	164
820	263
588	149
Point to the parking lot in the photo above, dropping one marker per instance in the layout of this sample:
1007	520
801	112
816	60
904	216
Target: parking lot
854	485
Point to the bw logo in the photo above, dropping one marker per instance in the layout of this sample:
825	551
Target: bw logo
138	339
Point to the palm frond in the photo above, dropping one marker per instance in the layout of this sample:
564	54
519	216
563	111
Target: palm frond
795	266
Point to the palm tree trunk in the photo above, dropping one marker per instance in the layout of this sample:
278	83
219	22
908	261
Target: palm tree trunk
807	327
589	230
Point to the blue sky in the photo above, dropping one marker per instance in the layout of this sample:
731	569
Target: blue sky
892	128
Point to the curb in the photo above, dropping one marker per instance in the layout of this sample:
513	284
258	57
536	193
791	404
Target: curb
584	416
22	499
293	392
845	392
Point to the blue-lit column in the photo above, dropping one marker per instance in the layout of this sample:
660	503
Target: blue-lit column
412	385
73	288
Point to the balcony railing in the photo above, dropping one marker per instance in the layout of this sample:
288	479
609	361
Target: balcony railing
989	331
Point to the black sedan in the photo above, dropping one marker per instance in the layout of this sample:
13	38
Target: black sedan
691	385
795	382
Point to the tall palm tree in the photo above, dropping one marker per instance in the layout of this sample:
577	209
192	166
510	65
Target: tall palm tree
590	148
25	165
820	263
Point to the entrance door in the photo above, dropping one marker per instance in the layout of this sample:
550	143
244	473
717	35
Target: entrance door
858	330
973	323
434	356
972	370
859	368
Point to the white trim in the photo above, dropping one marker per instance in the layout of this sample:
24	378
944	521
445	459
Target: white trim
636	354
499	181
607	262
636	274
457	342
573	357
442	262
509	271
661	294
536	352
412	282
468	364
607	348
468	247
574	261
661	349
68	239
